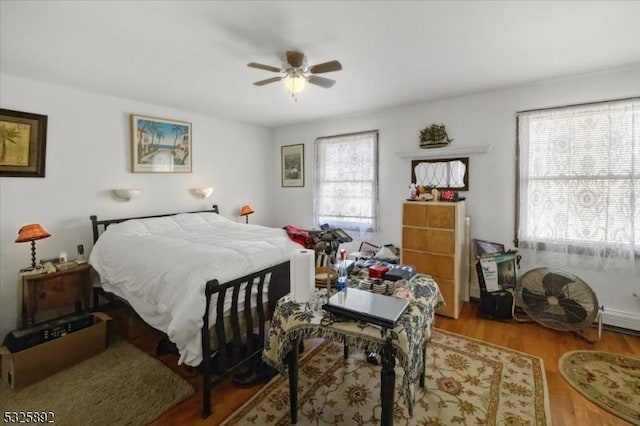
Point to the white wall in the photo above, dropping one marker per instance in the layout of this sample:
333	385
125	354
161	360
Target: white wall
88	148
486	118
88	154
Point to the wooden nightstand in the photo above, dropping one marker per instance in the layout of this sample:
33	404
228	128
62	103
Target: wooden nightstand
59	290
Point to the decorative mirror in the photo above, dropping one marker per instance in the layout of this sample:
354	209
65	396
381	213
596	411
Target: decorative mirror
443	173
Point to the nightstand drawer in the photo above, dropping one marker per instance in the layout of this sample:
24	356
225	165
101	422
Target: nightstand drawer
58	291
48	295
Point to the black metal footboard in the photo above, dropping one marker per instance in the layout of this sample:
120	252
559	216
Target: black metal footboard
246	345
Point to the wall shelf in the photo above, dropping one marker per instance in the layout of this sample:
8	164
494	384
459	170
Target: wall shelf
446	152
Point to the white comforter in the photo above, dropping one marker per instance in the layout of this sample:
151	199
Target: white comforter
161	265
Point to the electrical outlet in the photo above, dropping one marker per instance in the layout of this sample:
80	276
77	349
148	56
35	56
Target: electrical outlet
80	249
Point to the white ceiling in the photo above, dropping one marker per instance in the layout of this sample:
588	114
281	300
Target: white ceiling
192	55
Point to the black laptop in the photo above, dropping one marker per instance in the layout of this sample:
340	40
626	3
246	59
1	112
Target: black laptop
363	305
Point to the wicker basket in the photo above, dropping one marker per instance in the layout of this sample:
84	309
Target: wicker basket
321	276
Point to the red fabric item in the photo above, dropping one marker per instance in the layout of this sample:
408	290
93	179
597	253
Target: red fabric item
300	236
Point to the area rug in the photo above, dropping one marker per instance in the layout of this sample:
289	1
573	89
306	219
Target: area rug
120	386
608	380
468	382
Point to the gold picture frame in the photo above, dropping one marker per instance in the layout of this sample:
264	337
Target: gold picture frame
23	143
292	160
160	145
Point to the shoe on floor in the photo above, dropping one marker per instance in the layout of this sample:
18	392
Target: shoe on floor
253	377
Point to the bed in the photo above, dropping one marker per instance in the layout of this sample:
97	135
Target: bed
208	283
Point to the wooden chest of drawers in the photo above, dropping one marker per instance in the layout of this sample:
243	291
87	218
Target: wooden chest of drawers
433	240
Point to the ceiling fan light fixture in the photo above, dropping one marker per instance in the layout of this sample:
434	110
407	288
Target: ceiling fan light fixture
296	74
295	83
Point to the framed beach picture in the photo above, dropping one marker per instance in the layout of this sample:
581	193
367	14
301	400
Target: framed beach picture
292	158
160	145
23	143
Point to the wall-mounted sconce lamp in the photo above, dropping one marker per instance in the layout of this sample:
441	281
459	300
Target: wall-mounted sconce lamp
127	194
202	192
246	211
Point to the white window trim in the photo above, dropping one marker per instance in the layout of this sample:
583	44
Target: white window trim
348	225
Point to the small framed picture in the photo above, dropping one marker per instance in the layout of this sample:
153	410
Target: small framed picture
292	158
160	145
23	143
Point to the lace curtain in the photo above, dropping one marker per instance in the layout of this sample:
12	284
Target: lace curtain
347	181
579	185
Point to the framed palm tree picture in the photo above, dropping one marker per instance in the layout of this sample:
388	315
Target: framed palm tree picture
160	145
23	143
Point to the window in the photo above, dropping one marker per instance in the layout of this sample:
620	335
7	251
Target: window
347	181
579	179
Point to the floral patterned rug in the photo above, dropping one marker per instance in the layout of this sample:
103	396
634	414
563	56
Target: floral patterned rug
468	382
608	380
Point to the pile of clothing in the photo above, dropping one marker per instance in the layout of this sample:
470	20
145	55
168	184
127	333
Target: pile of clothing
302	237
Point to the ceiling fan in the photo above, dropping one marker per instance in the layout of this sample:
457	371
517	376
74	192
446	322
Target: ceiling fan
296	73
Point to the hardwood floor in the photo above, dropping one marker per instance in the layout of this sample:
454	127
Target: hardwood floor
568	407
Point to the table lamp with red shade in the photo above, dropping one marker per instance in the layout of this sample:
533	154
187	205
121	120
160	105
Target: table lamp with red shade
246	211
32	232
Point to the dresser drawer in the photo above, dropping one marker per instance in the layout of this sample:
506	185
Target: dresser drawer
440	242
428	240
414	214
441	216
438	266
413	238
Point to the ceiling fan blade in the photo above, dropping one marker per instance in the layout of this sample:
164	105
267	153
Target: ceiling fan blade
295	58
326	67
267	81
263	67
321	81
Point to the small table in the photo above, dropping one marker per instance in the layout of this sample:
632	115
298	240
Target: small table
55	291
292	322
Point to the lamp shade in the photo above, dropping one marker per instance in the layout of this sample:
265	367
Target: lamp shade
31	232
127	194
203	192
246	210
295	83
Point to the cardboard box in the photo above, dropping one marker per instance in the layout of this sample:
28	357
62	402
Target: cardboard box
126	324
20	369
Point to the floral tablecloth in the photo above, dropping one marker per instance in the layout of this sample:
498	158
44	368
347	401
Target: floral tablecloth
292	321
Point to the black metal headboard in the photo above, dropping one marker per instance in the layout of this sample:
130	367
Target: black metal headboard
95	223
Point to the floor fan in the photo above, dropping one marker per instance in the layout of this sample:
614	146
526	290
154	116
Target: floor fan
559	300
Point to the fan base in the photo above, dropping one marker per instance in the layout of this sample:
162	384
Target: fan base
580	332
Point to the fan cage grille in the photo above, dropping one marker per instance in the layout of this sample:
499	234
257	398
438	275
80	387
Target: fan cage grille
557	299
